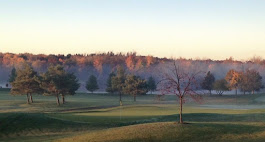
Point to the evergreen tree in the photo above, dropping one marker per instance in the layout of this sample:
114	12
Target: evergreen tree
71	85
134	86
56	81
208	81
92	84
26	82
117	82
151	84
109	83
12	75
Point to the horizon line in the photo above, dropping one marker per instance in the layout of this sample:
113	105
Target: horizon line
137	54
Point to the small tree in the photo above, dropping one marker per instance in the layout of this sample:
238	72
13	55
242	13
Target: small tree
220	86
135	86
151	84
180	82
109	83
208	82
117	82
12	75
92	84
233	78
26	82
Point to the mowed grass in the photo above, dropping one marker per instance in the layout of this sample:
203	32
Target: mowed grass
174	132
98	117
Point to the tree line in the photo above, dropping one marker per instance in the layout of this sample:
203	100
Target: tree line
122	83
245	81
178	80
59	83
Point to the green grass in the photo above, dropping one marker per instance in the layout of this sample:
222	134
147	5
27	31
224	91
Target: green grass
98	117
172	132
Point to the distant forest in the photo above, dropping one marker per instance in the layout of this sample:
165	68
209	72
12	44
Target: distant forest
102	64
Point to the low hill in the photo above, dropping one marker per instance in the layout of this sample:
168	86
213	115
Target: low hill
173	132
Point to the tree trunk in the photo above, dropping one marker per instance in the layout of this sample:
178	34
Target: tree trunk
134	98
210	92
63	99
58	101
28	99
253	92
180	110
31	100
236	91
120	100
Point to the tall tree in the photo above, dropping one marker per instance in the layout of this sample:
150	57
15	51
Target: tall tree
151	83
12	75
182	82
56	81
117	82
220	86
134	86
233	78
109	83
208	81
26	82
71	85
92	84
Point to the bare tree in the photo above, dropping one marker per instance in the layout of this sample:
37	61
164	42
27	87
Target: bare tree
181	81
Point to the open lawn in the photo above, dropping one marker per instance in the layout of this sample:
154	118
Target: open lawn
98	117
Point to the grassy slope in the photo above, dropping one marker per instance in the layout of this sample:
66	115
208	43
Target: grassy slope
172	132
92	115
207	124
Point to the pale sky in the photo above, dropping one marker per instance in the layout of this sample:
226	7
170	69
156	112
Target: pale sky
214	29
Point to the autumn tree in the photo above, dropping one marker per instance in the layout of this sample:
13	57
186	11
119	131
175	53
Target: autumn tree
233	78
98	63
109	83
26	82
251	81
149	60
181	81
134	86
130	62
92	84
208	81
117	82
139	65
151	83
220	86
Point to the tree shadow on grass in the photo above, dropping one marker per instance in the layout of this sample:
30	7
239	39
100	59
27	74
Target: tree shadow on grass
27	123
216	117
19	124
